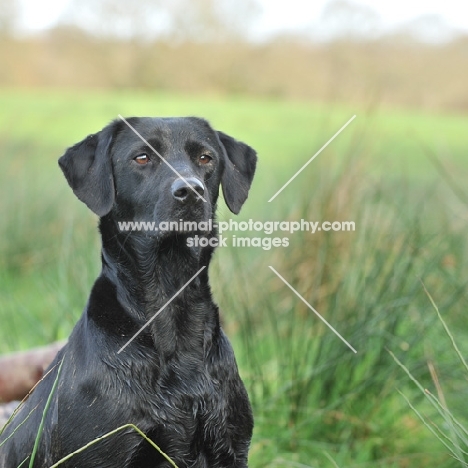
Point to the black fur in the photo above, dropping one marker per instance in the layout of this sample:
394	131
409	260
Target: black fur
178	380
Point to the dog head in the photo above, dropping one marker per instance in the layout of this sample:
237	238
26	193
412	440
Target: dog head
159	170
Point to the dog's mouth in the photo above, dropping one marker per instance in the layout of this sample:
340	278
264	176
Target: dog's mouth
167	228
184	220
168	221
180	226
183	227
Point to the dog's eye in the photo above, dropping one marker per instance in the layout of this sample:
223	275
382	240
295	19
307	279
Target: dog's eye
142	159
204	159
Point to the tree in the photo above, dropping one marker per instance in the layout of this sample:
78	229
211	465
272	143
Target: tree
182	20
429	28
9	13
343	19
120	19
211	20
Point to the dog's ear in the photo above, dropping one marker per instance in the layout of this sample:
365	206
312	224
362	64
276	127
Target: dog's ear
239	170
88	169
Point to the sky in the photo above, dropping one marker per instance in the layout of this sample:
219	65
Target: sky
289	15
299	13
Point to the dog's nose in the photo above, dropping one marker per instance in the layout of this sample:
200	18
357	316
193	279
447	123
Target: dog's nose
187	190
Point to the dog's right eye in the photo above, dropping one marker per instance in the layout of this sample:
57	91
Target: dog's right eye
142	159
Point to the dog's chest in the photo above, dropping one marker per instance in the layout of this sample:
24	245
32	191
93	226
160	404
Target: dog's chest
181	394
176	416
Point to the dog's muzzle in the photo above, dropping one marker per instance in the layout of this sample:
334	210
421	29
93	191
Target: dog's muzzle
188	191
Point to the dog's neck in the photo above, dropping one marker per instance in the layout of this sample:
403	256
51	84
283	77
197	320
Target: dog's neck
152	273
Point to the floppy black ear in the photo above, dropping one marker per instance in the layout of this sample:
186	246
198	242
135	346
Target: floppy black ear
239	170
88	170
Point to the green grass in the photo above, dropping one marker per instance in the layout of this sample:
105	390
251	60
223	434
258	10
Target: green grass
316	403
326	399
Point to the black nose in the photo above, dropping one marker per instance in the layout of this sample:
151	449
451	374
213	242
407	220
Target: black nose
187	190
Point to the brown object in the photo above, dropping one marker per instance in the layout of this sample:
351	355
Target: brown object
20	371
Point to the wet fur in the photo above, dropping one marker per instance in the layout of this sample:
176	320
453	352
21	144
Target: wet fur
178	380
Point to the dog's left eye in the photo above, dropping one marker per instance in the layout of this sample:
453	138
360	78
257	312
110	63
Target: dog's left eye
204	159
142	159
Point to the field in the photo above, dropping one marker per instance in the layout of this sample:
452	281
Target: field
398	174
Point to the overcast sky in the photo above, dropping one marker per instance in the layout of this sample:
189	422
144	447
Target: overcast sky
392	12
278	15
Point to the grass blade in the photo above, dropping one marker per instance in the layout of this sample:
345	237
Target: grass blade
44	414
109	434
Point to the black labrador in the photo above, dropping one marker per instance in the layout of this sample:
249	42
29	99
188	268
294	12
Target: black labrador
177	380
